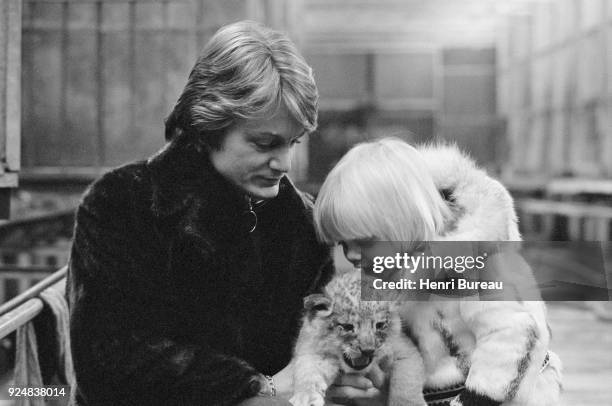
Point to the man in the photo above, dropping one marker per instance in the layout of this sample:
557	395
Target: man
188	270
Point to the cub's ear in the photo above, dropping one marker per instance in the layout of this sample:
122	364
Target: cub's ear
318	305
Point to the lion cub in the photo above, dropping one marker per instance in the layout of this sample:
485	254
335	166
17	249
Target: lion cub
340	333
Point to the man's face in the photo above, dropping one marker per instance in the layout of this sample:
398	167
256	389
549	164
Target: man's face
255	154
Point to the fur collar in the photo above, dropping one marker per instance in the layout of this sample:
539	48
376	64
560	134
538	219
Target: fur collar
182	173
187	190
483	208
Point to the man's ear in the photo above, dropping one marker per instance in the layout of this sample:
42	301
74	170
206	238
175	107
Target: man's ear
318	304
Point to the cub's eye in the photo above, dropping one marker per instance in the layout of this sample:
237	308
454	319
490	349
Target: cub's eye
381	325
346	327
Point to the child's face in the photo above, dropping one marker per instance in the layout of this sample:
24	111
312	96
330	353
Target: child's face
358	250
354	249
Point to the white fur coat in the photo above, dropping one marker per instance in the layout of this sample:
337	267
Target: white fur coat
485	210
496	348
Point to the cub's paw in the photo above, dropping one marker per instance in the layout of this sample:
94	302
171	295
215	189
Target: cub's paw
456	401
307	399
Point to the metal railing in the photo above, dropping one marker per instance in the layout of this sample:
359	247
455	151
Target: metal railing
27	305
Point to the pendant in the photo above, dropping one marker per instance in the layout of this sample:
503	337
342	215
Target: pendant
253	216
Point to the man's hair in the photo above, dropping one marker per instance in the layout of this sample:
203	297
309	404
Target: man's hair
245	71
380	190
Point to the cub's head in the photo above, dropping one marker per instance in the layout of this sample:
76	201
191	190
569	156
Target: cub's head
354	331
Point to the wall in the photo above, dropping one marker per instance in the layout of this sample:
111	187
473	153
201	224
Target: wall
555	88
10	109
420	69
99	76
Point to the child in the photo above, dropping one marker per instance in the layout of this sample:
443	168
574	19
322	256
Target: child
475	352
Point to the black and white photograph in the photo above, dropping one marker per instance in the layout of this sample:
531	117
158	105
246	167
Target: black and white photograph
305	202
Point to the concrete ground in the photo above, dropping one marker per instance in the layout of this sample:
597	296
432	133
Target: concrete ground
583	341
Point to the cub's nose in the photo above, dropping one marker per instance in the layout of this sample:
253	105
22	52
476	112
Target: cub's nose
367	352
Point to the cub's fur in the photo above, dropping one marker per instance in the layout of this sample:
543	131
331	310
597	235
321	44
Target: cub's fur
340	333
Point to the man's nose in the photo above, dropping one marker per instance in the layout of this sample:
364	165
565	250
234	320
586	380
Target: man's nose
281	161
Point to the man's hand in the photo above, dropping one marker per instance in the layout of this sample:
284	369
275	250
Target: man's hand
283	380
359	390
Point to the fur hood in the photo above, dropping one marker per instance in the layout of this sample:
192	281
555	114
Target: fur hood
483	208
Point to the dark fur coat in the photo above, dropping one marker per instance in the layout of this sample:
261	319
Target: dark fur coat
172	300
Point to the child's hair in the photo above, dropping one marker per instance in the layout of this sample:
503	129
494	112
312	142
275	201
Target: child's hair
380	190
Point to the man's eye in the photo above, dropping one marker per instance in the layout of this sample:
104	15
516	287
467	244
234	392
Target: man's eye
264	144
